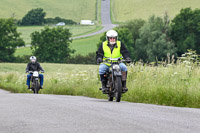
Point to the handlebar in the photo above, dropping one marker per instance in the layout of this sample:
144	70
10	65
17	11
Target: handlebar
33	71
113	59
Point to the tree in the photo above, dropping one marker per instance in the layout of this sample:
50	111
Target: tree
129	33
154	41
52	44
186	30
9	40
34	17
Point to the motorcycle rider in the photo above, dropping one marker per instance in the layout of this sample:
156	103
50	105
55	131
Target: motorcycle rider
115	49
34	66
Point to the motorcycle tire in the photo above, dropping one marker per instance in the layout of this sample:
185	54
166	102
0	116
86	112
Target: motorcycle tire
118	88
36	88
110	98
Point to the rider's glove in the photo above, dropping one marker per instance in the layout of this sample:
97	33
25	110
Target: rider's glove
128	60
99	60
42	71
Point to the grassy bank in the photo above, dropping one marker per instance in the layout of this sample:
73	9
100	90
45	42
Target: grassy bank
174	85
123	10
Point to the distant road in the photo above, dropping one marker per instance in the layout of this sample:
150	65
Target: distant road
105	18
29	113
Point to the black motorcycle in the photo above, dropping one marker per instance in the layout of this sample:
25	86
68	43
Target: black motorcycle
114	79
35	85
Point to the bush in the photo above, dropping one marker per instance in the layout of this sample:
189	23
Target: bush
58	19
80	59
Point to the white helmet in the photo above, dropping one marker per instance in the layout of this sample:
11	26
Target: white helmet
111	33
33	59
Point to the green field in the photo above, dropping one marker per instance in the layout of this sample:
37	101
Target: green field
82	46
76	30
86	45
69	9
174	85
123	10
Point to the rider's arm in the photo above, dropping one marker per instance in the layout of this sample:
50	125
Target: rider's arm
100	53
28	66
124	51
40	67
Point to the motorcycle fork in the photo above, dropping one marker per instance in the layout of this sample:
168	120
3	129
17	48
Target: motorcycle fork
113	79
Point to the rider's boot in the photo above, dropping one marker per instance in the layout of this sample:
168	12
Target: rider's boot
28	87
103	82
104	89
124	77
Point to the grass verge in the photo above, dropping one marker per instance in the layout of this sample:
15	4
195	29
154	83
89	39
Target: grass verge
174	85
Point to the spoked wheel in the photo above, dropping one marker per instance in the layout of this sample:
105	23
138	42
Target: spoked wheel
118	88
36	88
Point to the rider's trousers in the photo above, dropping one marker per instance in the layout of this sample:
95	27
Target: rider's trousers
104	68
29	79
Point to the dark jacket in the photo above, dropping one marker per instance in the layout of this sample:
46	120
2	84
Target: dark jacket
34	67
123	50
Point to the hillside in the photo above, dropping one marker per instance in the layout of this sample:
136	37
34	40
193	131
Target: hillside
124	10
69	9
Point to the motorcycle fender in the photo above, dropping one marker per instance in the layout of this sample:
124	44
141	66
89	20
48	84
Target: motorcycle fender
117	73
36	78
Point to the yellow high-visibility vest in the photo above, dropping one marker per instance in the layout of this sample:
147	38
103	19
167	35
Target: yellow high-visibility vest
115	53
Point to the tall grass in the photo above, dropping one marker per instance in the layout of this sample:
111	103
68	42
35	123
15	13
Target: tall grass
173	85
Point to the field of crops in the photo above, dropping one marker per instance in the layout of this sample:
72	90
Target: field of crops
174	85
69	9
124	10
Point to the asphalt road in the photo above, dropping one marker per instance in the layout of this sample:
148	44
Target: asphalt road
29	113
105	18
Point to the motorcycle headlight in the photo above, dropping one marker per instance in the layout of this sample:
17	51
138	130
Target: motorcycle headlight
116	67
35	74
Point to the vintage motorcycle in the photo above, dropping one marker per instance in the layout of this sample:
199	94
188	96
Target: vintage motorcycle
35	85
114	79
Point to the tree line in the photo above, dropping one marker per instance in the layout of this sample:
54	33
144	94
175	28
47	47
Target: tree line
150	41
155	39
37	17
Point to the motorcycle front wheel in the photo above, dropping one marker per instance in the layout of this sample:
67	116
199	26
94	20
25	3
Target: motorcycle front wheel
36	88
118	89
